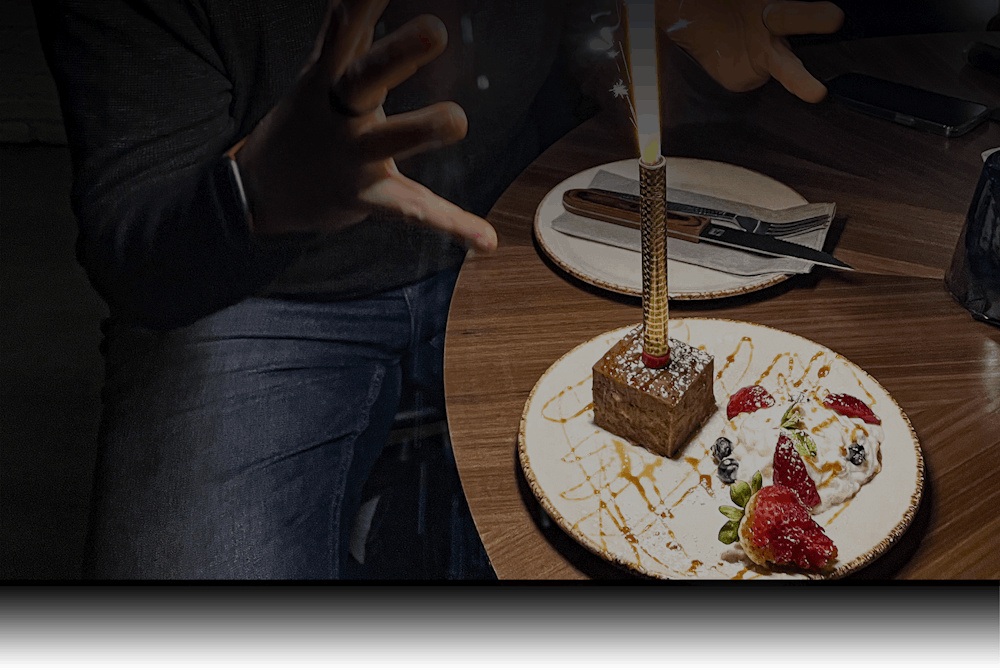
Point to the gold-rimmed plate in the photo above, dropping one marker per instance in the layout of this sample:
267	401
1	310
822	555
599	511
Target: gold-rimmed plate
620	270
659	516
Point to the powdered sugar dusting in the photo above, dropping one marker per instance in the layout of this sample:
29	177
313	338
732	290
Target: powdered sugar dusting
686	364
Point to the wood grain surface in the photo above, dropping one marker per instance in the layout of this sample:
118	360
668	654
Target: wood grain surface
901	198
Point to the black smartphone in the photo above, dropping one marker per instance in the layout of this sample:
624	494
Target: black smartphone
910	106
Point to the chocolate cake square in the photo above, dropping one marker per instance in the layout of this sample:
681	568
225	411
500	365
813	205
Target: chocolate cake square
658	409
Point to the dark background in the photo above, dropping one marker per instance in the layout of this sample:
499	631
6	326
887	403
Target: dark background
49	316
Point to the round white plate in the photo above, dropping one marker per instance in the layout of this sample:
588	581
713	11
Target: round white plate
659	516
620	270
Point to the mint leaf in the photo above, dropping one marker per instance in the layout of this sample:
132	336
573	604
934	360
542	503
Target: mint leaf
740	493
734	513
756	482
730	532
803	443
791	417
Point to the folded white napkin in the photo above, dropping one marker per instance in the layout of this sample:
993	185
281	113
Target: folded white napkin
723	259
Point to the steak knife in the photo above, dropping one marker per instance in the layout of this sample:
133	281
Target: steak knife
622	212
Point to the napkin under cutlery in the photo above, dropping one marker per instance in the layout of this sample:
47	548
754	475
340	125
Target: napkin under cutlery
723	259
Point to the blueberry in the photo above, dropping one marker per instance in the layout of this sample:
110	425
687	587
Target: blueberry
856	454
727	470
722	448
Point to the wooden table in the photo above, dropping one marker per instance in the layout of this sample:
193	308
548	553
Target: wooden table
901	196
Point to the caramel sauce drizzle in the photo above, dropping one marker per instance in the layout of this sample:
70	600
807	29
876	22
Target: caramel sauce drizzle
771	367
820	426
839	511
792	380
559	397
730	359
834	468
871	399
805	373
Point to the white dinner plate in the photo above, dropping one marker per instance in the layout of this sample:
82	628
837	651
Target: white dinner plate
620	270
660	516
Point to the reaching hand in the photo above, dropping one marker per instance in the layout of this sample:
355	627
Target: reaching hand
323	158
742	43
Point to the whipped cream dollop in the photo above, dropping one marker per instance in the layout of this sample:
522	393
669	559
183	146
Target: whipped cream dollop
754	436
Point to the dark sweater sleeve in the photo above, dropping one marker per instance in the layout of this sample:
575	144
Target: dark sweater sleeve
146	102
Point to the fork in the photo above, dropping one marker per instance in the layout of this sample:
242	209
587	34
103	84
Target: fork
750	224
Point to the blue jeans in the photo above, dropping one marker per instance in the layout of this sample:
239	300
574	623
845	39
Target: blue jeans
236	448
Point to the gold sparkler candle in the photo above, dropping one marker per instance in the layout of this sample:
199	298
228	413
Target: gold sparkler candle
645	391
653	222
641	36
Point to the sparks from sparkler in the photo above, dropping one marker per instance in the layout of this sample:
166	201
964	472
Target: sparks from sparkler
606	43
680	24
621	89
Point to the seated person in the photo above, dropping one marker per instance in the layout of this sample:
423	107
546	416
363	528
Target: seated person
274	198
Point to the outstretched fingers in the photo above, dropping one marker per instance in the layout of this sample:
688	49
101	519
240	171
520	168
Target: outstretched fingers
798	18
348	33
391	61
360	72
803	18
421	205
403	135
786	67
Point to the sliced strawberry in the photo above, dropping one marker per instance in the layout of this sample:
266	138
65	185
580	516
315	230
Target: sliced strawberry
790	471
850	406
776	528
748	399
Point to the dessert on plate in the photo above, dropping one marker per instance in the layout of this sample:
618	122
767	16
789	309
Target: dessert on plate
837	435
774	527
655	408
808	453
